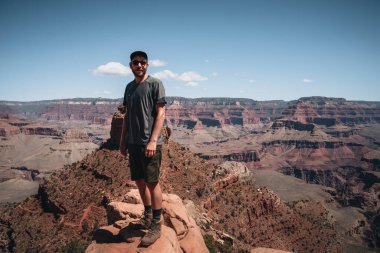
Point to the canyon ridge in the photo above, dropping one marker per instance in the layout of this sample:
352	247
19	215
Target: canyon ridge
300	176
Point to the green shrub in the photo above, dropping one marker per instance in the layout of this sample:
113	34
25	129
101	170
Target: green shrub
214	246
210	243
226	247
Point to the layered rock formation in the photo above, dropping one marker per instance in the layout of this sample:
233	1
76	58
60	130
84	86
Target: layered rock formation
245	156
206	112
292	124
10	128
332	142
34	147
218	112
331	111
90	109
73	204
257	217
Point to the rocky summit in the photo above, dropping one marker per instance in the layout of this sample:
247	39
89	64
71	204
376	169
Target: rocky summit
180	233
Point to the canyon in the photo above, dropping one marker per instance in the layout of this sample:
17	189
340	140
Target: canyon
306	165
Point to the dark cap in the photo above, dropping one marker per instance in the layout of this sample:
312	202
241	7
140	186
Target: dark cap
138	53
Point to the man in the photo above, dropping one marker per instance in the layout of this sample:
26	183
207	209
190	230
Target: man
144	99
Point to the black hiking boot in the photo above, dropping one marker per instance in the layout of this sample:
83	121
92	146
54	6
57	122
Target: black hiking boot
144	222
152	235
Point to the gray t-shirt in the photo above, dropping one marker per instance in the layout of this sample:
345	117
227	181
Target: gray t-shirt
140	100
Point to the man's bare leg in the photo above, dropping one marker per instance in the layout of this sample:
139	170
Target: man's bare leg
156	195
146	219
144	192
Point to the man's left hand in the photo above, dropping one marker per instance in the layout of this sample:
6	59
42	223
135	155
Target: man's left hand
150	149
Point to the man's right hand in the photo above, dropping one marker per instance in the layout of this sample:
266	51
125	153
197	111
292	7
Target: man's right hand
123	149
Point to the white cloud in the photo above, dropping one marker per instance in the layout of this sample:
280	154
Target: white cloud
252	81
112	68
206	61
106	92
165	74
192	84
214	73
189	76
307	80
157	63
241	91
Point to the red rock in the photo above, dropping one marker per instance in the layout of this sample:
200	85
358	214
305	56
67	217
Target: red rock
178	226
132	197
120	211
223	183
173	207
111	248
168	242
267	250
181	234
193	241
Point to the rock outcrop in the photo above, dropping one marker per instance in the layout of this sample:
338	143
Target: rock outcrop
373	158
116	125
292	124
40	130
74	134
332	111
271	223
180	233
9	128
246	156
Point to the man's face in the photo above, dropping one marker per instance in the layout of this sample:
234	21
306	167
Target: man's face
139	66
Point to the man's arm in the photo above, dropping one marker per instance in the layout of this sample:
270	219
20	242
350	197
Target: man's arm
158	123
123	137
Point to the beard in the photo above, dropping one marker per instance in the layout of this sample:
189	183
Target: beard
139	73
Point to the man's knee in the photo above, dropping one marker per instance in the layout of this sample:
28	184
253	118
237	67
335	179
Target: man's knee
151	185
140	183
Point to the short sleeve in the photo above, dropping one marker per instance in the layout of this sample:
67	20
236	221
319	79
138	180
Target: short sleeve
160	93
129	89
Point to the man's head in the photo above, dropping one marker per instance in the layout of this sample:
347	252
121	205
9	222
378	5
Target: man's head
139	63
139	53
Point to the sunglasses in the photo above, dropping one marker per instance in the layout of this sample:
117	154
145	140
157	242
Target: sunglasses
136	63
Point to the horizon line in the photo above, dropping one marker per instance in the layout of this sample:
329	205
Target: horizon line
188	98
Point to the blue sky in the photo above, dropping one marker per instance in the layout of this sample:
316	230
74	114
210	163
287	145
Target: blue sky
262	50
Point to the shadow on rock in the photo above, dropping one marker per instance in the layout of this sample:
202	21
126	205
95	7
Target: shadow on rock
105	236
130	233
111	234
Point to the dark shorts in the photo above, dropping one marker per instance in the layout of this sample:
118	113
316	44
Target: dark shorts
143	167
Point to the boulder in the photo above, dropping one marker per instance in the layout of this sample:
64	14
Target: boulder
180	233
121	211
132	197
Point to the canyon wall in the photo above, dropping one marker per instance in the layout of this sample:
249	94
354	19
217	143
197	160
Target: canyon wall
327	141
206	112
